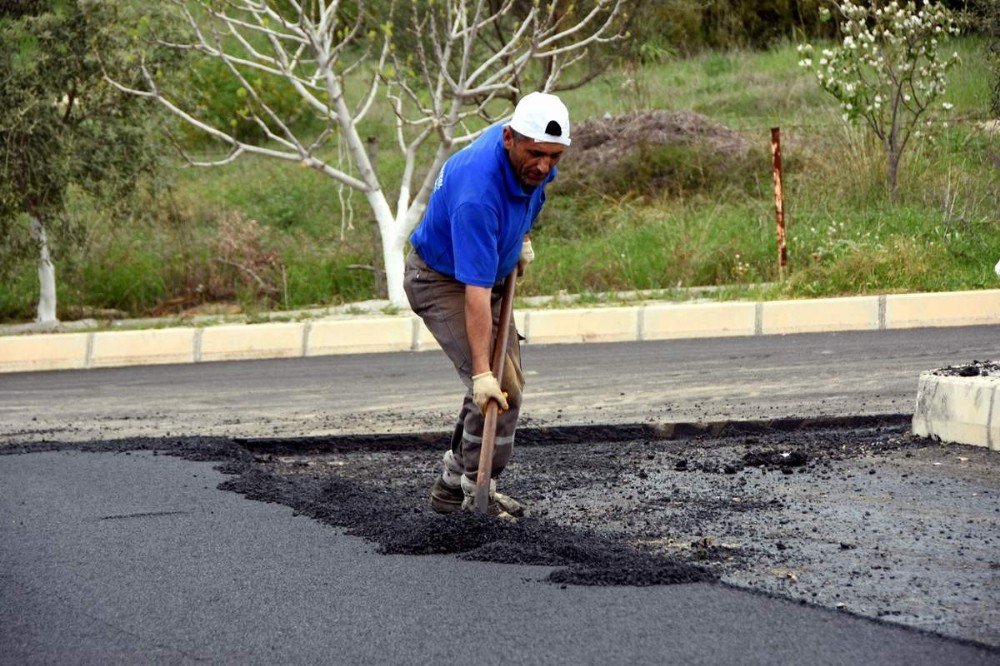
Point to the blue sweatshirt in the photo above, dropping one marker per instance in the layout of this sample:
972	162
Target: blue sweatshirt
478	214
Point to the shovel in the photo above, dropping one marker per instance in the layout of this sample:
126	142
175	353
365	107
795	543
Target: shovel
492	408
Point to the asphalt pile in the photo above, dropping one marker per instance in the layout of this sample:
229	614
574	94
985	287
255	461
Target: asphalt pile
974	369
866	519
396	519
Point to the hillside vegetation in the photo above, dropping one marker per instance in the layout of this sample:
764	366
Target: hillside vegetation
263	234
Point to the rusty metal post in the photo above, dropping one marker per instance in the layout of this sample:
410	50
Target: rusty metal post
779	201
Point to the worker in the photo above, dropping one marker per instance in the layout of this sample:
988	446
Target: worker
474	233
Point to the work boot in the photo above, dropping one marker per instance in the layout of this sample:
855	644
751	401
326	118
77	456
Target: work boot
445	498
494	508
446	494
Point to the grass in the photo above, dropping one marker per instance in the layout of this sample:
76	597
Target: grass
708	223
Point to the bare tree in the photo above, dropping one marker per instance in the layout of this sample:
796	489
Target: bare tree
438	65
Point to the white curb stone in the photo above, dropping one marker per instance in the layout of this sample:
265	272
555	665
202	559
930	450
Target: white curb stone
841	314
150	347
956	308
360	336
57	351
961	410
666	322
242	342
579	325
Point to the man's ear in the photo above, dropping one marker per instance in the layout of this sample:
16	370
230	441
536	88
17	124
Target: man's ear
508	138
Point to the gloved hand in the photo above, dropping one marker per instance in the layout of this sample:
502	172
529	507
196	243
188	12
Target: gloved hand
486	387
527	256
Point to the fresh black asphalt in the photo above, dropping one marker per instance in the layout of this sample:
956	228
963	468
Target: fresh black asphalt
141	559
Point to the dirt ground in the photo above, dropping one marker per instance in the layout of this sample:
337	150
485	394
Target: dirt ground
867	519
602	142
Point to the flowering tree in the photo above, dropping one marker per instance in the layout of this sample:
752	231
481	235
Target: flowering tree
888	71
438	66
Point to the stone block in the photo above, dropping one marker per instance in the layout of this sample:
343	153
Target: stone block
960	410
820	315
50	351
241	342
360	336
146	347
663	322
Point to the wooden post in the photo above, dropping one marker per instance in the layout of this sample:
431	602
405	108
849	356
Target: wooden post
779	202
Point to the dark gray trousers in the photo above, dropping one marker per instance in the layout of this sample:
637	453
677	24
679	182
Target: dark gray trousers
440	301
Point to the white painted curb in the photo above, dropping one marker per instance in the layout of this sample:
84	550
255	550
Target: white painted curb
959	410
371	334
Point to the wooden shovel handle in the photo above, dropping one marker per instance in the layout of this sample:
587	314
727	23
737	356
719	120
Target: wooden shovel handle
485	471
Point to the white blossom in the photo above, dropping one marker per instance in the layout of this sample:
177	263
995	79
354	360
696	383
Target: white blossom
888	54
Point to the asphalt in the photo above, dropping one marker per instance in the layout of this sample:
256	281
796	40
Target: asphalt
113	558
749	378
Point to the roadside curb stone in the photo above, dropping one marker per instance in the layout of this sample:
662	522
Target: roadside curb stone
959	410
404	331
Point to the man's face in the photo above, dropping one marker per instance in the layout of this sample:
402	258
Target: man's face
532	161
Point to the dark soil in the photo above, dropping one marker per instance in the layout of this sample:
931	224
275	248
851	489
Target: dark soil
600	143
867	519
655	152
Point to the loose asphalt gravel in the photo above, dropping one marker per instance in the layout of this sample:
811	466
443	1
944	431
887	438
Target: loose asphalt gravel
868	519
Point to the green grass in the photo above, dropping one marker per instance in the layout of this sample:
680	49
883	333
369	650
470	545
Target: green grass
675	217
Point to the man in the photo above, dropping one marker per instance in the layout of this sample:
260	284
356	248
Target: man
474	233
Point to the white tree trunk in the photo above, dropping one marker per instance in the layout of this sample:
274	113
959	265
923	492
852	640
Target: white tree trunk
392	257
393	242
46	276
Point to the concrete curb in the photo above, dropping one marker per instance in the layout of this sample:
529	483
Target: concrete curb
959	410
406	332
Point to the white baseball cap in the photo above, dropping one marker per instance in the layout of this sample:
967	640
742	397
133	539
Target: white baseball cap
542	117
